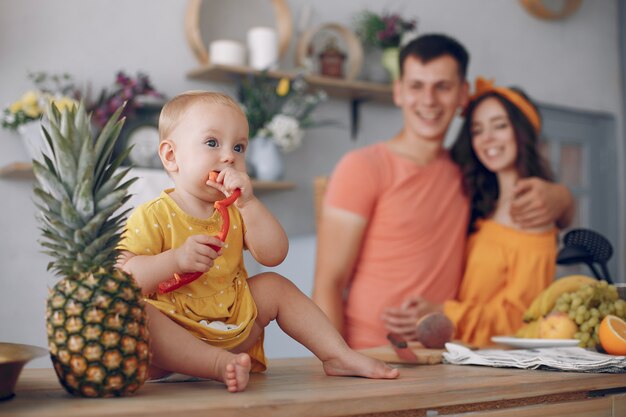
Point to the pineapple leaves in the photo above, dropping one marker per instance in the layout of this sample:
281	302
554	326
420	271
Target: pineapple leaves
106	142
81	191
110	171
50	164
86	161
111	184
111	200
64	158
82	125
70	215
83	199
48	201
49	181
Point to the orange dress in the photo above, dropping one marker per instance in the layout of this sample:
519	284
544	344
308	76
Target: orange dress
506	269
415	236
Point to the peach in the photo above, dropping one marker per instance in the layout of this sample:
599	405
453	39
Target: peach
434	330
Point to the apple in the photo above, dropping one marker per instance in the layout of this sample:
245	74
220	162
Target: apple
557	325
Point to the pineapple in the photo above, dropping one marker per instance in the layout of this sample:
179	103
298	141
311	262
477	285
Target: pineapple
96	322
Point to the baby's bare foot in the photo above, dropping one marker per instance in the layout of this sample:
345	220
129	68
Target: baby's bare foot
236	373
356	364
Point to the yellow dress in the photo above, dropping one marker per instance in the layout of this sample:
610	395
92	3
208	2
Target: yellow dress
505	270
217	307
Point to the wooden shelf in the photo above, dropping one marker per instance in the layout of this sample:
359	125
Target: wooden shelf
336	87
18	171
24	171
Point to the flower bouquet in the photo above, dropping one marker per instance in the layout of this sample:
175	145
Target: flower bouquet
136	92
279	109
24	115
386	32
57	88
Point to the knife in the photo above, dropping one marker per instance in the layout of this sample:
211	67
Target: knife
402	349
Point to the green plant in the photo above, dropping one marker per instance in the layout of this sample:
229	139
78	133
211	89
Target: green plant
280	109
384	30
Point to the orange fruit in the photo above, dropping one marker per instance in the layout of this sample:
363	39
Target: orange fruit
612	334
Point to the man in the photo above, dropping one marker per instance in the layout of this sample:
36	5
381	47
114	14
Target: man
394	221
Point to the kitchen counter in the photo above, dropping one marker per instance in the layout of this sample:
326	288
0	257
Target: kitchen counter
299	388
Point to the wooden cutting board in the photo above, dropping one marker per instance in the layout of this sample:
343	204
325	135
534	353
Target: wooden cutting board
387	354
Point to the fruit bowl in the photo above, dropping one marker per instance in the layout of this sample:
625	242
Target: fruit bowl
13	357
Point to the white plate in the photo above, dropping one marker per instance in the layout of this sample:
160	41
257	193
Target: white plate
524	343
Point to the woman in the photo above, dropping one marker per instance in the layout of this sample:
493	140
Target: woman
506	267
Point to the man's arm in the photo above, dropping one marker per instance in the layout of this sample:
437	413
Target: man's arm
539	202
339	240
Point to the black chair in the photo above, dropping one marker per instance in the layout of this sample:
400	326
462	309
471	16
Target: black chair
589	247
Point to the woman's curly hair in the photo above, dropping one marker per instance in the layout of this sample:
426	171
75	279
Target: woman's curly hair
481	185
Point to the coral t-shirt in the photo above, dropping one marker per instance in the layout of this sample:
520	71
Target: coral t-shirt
415	236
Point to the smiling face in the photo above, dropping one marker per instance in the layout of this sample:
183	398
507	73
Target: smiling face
208	137
493	137
429	96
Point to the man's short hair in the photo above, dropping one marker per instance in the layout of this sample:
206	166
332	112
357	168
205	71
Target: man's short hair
435	45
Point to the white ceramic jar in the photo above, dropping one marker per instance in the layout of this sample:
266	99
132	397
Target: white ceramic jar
227	52
262	48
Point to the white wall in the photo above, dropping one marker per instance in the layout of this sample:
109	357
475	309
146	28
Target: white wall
573	62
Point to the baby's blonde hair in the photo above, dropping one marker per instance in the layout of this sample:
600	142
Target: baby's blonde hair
174	110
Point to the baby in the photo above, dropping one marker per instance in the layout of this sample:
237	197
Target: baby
213	327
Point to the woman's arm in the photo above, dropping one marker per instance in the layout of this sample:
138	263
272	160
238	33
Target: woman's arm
339	240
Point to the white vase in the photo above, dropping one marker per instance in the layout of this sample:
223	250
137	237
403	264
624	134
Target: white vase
265	158
373	70
34	139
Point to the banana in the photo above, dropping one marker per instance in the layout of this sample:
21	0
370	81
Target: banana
544	303
534	311
529	330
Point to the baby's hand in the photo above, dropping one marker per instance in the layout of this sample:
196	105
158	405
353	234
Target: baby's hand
195	255
231	179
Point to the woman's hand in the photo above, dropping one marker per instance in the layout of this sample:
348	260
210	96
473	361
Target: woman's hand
195	255
402	320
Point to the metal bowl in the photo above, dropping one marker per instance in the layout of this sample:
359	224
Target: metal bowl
13	357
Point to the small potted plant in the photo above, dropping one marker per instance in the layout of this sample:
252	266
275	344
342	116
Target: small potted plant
332	59
385	32
278	111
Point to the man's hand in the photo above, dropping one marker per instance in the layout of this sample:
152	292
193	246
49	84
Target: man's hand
537	202
402	320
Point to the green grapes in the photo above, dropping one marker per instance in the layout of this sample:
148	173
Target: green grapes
588	306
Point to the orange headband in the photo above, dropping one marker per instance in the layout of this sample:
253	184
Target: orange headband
484	86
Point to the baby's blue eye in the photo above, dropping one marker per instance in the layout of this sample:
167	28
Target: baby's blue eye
239	148
212	143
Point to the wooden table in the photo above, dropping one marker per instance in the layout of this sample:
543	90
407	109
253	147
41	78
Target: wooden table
299	388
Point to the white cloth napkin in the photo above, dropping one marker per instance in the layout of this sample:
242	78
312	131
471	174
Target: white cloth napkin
573	359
